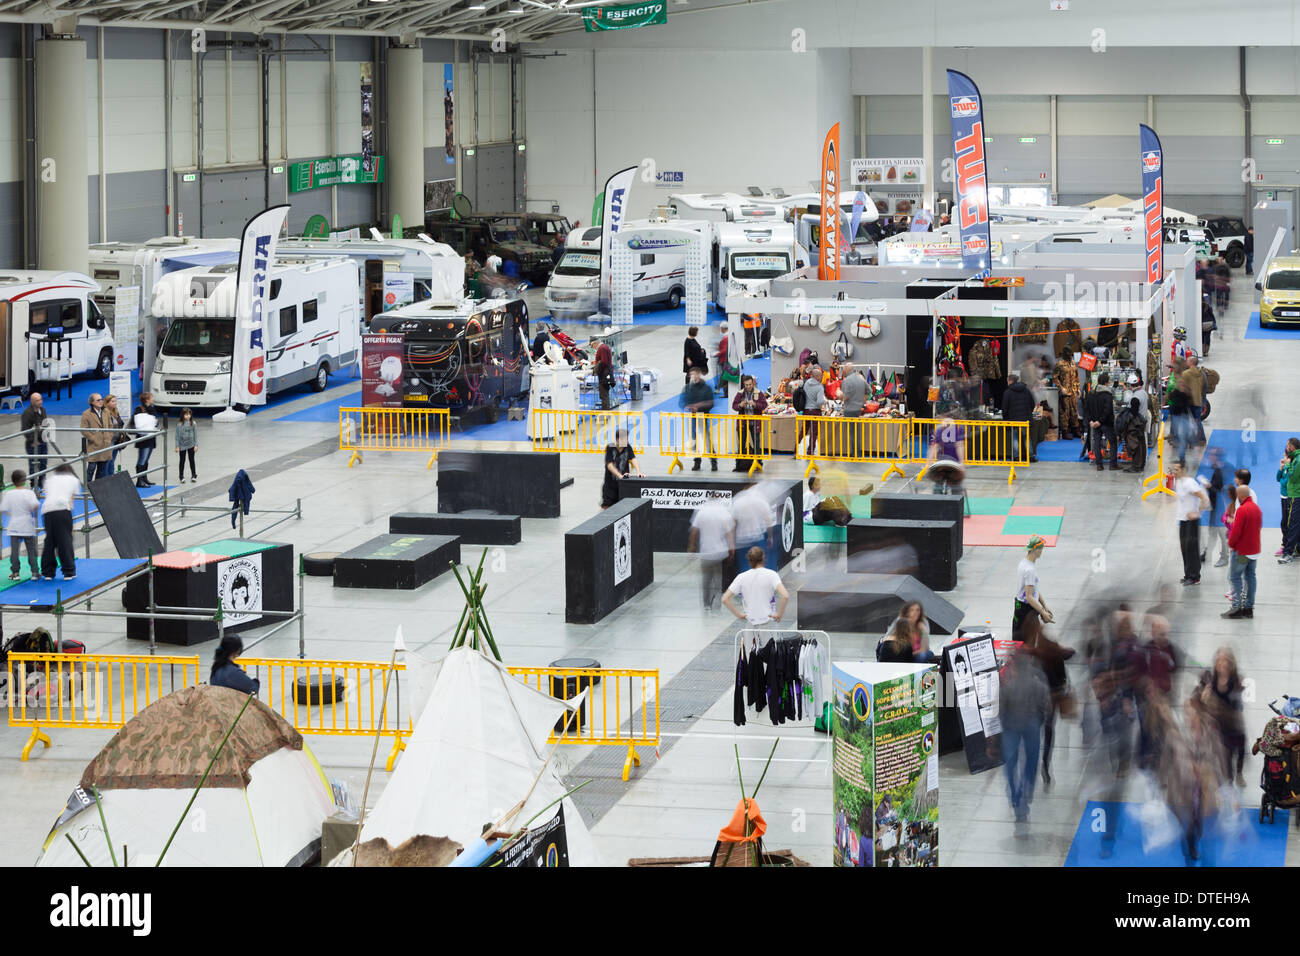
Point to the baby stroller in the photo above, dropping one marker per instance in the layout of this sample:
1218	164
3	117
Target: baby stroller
566	342
1280	779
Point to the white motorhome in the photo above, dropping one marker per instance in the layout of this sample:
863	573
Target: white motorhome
437	270
748	255
311	328
658	271
51	329
142	264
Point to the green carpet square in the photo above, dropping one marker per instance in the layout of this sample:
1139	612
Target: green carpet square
823	533
25	574
989	506
1032	524
860	506
233	547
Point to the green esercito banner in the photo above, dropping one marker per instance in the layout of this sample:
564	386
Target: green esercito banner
625	16
333	171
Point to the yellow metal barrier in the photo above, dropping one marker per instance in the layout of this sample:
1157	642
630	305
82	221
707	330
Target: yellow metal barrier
585	431
394	429
987	443
614	697
94	691
357	712
739	437
1155	484
834	438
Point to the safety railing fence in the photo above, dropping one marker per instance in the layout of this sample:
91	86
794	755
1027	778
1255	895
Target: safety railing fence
421	430
738	437
586	431
985	443
835	438
335	698
621	708
95	691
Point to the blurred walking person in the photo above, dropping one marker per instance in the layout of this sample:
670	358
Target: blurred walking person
1023	707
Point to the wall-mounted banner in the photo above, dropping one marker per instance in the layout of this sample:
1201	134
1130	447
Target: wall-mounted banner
252	290
613	212
449	111
333	171
972	178
802	306
367	117
1153	201
669	179
887	172
828	268
438	193
625	16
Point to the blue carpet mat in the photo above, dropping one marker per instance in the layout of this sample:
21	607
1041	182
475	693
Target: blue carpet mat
1256	331
1259	844
1261	457
1060	451
91	573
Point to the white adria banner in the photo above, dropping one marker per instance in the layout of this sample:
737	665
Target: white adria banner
256	253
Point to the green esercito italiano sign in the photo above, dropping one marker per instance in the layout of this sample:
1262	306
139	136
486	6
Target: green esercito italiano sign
333	171
625	16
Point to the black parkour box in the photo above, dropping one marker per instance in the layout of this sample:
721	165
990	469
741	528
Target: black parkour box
395	561
607	560
471	527
503	482
933	542
922	508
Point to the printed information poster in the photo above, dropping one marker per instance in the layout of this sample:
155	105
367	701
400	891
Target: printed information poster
970	709
885	757
381	370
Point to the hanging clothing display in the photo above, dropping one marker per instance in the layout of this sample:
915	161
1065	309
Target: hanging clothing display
983	360
1033	330
1068	336
785	675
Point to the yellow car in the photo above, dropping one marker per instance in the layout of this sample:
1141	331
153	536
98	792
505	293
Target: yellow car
1279	301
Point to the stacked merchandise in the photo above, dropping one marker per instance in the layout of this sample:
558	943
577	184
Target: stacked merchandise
786	675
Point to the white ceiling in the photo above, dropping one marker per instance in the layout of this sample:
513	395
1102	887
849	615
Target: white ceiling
522	20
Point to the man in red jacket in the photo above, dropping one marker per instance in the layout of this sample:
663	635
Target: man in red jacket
1243	539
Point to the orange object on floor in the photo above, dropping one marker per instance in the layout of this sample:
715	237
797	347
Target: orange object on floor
734	831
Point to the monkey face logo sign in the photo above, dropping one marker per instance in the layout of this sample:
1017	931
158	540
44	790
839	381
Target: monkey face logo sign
787	526
239	588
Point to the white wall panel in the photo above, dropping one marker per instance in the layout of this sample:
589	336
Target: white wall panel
1100	115
182	114
11	120
212	115
560	135
1273	116
245	113
308	87
134	120
1201	116
92	118
347	107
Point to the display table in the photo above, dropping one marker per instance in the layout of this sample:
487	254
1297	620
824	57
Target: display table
247	577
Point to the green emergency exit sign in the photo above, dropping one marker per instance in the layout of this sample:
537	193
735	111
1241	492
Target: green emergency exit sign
1275	142
189	177
1029	139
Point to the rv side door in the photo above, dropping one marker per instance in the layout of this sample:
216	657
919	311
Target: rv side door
13	339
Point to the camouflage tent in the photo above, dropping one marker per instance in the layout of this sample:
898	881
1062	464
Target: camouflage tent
262	805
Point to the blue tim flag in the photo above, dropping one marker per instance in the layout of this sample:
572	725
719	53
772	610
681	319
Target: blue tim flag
972	178
1153	202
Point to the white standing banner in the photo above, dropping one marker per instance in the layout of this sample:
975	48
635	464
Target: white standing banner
612	217
256	253
126	327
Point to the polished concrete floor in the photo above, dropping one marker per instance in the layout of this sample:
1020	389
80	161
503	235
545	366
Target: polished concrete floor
1112	545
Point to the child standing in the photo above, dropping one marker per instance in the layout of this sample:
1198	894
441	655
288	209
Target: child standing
20	504
187	439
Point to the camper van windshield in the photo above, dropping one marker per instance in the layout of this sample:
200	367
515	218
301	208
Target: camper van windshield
767	265
200	338
1284	280
579	264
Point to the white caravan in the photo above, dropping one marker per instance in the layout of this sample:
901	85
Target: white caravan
437	270
658	274
310	328
142	264
50	329
748	255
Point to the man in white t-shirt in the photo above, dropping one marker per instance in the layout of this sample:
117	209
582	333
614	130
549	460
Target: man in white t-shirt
1192	500
1028	598
713	537
758	588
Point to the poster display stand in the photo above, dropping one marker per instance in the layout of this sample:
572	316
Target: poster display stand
969	718
886	791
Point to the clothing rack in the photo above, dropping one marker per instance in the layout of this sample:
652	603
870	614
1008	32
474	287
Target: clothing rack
751	638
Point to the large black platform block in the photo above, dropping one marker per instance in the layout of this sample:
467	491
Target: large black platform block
922	507
676	498
396	561
503	482
607	560
927	550
472	527
247	577
868	603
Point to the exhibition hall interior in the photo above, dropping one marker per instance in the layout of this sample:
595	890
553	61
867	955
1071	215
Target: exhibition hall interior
681	433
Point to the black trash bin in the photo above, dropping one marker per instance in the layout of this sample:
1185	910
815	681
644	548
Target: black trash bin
567	688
